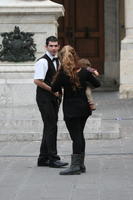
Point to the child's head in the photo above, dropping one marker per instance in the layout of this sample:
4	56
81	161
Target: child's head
84	63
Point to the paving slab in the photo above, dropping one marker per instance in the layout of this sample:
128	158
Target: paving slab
109	174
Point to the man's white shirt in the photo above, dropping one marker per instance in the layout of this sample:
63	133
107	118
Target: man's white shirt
41	67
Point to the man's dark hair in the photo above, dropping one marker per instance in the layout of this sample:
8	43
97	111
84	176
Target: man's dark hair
51	39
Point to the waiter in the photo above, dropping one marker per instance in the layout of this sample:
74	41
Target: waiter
48	104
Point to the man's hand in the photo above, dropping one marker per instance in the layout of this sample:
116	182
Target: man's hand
43	85
56	94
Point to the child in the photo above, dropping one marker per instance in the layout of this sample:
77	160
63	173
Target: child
85	63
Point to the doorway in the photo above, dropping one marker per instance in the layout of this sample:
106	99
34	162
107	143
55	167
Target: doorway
83	28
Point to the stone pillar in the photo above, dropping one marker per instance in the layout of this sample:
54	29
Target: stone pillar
126	61
112	47
19	115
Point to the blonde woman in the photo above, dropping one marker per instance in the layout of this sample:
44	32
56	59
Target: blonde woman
73	80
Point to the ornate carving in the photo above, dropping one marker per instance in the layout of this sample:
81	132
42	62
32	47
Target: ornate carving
17	46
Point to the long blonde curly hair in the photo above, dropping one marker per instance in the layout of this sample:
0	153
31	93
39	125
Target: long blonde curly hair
69	64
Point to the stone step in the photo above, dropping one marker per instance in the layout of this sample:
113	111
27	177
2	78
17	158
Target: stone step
28	130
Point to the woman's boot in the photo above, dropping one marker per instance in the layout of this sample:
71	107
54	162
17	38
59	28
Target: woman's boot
82	165
74	167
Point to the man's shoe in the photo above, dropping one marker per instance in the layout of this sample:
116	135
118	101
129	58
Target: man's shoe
57	164
41	163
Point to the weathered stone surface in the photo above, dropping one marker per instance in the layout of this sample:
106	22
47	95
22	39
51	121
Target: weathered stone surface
126	62
19	116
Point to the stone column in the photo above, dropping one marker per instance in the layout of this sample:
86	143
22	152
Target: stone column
19	115
112	58
126	60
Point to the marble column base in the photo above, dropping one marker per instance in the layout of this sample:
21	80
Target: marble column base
126	69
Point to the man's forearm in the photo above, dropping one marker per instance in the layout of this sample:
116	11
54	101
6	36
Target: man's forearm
43	85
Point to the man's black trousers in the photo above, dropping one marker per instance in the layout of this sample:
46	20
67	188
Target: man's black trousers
49	108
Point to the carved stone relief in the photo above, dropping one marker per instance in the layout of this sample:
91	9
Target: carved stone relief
17	46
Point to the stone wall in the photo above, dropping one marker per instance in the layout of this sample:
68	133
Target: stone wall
126	62
19	116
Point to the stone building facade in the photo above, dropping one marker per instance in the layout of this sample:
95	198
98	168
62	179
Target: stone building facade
118	34
126	52
19	116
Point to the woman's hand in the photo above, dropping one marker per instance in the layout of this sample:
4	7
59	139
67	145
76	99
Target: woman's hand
56	94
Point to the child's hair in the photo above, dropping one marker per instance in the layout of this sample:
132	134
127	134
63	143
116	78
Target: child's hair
84	63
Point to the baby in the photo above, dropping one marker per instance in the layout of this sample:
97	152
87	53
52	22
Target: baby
85	63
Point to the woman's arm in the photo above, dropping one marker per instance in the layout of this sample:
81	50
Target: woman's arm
57	83
94	82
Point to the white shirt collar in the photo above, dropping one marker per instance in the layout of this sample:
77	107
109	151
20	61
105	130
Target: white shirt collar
50	56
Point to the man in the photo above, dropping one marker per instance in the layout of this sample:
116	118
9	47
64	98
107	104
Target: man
48	104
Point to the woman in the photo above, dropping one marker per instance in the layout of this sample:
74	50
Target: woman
73	80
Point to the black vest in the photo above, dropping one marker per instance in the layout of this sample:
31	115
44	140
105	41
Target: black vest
51	70
49	75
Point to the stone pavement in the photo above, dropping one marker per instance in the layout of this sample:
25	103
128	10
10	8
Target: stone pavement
109	172
115	111
109	163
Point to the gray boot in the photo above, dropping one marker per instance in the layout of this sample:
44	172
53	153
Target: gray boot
74	167
82	165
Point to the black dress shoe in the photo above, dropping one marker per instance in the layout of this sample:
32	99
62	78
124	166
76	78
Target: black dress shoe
57	164
41	163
